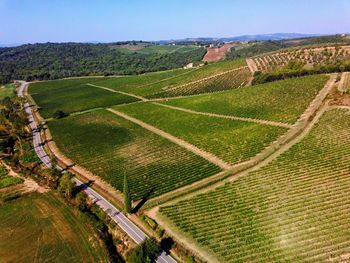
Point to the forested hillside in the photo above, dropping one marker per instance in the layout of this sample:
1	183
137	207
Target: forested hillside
53	60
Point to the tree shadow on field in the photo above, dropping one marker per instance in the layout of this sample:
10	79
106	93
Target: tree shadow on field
142	202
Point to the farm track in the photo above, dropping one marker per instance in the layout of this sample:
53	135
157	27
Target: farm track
117	91
305	124
267	155
252	65
206	155
231	117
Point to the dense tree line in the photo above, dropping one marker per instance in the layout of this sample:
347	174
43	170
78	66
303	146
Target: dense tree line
59	60
257	48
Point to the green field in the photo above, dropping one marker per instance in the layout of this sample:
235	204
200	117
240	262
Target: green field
229	80
7	91
295	209
73	96
282	101
159	49
42	228
154	85
110	146
232	141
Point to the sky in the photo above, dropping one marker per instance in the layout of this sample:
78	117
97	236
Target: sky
33	21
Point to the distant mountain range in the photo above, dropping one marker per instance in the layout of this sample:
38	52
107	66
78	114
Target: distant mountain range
262	37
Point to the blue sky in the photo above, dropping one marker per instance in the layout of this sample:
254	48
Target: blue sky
30	21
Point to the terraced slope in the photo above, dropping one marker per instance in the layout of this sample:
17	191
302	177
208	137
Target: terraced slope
309	57
293	210
282	101
72	96
232	141
110	146
41	228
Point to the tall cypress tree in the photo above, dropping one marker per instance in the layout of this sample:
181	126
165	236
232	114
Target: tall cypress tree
127	198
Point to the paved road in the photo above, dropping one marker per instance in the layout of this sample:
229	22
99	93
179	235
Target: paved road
125	223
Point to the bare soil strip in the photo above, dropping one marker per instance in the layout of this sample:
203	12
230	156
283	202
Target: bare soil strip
342	86
252	65
117	91
231	117
30	184
208	156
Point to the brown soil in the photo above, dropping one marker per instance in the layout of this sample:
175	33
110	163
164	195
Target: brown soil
216	54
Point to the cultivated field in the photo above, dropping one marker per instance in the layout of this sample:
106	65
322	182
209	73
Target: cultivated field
281	101
309	57
73	96
110	146
42	228
232	141
295	209
7	180
152	85
218	53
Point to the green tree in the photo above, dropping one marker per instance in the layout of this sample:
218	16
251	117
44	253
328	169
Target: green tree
147	251
66	185
127	198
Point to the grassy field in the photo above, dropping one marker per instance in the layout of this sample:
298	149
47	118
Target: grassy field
42	228
73	96
110	146
282	101
7	91
293	210
232	141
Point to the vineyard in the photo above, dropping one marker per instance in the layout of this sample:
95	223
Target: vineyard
159	87
228	80
295	209
72	96
110	146
307	57
232	141
282	101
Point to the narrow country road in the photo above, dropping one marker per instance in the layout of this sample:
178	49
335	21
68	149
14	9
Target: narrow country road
125	223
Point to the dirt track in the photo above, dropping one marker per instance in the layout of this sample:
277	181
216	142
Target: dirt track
206	155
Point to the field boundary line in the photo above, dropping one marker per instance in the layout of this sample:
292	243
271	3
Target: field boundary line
220	178
202	80
190	147
117	91
231	117
305	124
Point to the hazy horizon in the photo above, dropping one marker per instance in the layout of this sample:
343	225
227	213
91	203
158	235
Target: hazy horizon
40	21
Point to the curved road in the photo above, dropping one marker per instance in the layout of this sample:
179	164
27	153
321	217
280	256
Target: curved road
125	223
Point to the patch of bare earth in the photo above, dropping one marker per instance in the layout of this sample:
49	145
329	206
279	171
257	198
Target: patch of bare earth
29	184
218	53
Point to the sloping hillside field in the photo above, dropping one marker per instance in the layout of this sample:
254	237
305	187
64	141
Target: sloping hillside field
232	141
110	146
296	209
